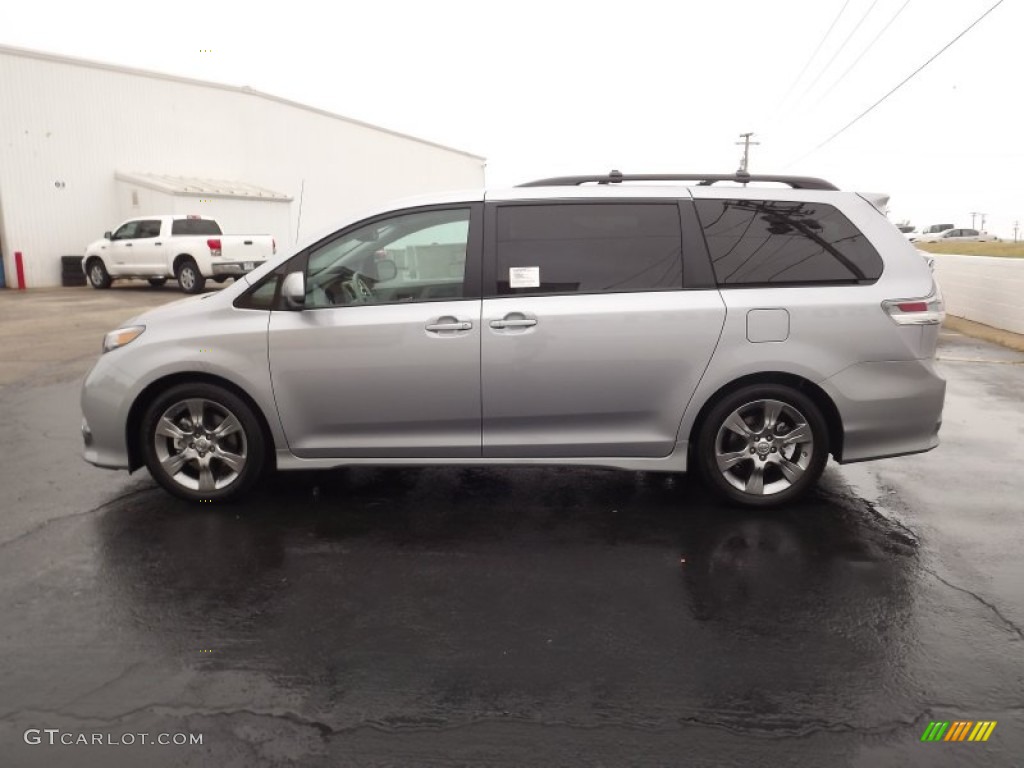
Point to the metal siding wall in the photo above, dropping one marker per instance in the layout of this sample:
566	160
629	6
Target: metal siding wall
78	125
150	203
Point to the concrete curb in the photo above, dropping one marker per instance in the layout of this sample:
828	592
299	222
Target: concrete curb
985	332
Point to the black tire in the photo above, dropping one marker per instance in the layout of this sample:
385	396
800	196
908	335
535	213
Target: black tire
190	279
156	282
787	464
97	273
244	439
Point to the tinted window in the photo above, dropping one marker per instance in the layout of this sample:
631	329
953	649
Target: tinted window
759	242
588	248
148	228
195	227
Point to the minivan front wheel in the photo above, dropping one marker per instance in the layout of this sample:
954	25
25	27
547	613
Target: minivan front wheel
763	445
202	442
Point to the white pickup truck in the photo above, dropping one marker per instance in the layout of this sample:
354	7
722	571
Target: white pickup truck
187	248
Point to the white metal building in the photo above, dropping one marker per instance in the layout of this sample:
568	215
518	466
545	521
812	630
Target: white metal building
85	145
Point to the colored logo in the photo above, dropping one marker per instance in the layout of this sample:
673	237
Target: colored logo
959	730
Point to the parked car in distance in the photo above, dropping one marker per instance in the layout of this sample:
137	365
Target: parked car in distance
746	332
958	235
190	249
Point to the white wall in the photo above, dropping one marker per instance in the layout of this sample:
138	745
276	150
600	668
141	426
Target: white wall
986	289
78	123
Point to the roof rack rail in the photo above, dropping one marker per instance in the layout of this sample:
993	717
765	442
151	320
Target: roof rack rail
702	179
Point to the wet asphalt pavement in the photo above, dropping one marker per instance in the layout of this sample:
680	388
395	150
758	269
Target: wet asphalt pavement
518	617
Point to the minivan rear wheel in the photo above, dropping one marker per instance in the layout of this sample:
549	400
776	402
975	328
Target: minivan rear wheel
763	445
202	442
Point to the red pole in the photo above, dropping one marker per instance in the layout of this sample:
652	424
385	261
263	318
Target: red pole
19	267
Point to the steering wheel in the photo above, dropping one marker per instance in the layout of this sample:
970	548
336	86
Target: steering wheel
357	291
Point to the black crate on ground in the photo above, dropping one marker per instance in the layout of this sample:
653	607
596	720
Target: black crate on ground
71	273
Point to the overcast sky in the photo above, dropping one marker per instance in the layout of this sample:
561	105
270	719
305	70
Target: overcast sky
560	86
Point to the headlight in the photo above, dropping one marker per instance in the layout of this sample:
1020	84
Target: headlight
122	336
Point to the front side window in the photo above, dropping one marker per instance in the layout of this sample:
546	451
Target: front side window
127	231
412	257
770	242
588	248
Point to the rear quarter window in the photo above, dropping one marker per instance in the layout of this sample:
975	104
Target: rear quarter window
772	242
195	227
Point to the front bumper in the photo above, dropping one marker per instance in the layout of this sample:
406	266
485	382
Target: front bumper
235	267
103	417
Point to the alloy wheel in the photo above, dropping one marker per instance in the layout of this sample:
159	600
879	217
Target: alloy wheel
764	447
200	444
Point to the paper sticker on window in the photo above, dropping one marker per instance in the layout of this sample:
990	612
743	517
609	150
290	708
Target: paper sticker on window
524	277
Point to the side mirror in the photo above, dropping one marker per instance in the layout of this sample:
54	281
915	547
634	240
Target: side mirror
294	290
386	270
106	235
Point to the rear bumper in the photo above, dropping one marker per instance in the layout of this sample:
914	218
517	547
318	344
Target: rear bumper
234	267
887	408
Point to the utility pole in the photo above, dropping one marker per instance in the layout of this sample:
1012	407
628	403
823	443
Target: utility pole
973	214
746	150
983	221
1016	226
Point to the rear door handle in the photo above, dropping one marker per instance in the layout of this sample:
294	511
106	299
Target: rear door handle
157	243
525	322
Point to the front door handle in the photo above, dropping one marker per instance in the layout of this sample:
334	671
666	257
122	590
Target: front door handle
449	323
525	322
157	243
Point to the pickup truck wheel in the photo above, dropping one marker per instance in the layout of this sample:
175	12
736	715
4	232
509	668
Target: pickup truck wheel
763	445
98	275
202	442
190	278
156	282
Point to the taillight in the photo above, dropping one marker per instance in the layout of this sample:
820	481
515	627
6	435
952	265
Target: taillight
214	245
929	310
273	243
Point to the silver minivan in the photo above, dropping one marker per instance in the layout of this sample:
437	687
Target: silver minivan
748	331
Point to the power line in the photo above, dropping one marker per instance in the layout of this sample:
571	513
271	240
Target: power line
839	50
906	80
862	54
818	48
